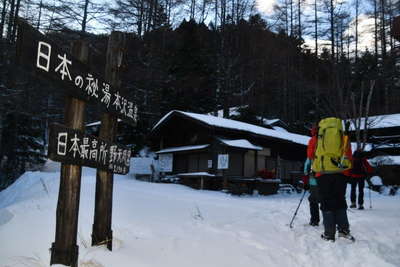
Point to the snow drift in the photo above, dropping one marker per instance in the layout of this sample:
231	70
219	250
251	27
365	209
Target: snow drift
171	225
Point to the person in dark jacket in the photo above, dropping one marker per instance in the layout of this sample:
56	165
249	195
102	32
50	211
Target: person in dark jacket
361	168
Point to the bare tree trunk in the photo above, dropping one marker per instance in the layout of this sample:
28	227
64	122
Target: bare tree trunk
141	18
192	9
216	14
369	98
155	15
3	18
332	22
356	37
85	12
150	16
40	15
376	30
391	7
14	28
239	14
168	11
341	37
299	15
384	59
291	17
355	117
10	20
223	13
203	11
316	26
383	29
360	115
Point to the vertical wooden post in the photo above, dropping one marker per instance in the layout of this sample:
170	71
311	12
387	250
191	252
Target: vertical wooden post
102	232
65	250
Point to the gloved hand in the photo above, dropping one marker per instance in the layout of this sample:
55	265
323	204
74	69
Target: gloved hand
306	187
307	166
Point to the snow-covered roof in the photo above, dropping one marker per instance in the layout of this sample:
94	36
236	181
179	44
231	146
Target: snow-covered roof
380	121
97	123
240	143
181	148
233	111
196	174
238	125
385	160
277	128
272	122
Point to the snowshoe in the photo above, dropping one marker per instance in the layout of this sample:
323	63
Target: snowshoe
346	235
328	238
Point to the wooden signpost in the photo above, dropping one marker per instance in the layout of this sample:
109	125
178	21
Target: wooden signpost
64	250
102	232
69	144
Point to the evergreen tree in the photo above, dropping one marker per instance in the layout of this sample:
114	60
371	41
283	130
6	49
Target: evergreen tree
22	146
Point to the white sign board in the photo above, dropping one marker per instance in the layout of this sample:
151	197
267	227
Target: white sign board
209	164
165	162
141	165
223	161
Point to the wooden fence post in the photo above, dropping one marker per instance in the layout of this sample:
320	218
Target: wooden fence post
65	250
102	232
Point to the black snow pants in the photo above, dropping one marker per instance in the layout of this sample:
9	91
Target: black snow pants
360	182
332	191
314	204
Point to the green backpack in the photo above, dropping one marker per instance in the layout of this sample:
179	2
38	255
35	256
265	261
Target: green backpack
331	147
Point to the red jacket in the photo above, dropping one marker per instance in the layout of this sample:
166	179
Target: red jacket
367	168
312	144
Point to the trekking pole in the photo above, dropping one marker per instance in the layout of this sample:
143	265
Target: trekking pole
295	213
370	201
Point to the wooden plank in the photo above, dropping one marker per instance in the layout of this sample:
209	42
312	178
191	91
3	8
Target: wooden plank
102	232
64	250
72	146
37	53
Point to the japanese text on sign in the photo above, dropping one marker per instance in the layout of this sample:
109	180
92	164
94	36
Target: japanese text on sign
37	52
89	84
73	147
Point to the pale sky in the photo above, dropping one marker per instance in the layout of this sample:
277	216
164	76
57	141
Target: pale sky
365	26
265	5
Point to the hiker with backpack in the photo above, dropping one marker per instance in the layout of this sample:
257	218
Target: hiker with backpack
311	182
359	171
332	158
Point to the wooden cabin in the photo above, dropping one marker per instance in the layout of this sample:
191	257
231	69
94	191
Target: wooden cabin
214	153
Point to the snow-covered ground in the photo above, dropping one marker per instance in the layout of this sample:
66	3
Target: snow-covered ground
171	225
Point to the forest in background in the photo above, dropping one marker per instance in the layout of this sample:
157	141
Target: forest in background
203	56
